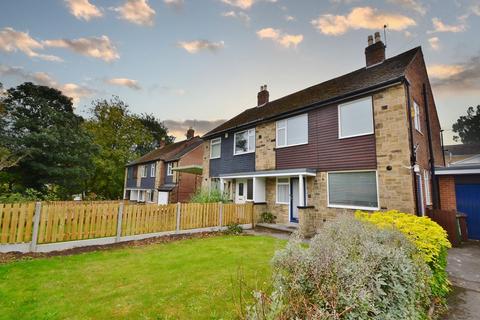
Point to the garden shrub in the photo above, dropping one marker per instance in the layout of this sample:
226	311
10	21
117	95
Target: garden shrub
351	270
267	217
234	228
209	196
430	239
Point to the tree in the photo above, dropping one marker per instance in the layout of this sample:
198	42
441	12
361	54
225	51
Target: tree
118	134
468	127
40	127
157	129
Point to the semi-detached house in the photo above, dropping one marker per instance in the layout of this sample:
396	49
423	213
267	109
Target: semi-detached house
369	140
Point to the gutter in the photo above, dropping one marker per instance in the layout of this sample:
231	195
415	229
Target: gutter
312	106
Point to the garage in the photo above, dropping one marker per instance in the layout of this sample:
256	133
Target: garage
460	191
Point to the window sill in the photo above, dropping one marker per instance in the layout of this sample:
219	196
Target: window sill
291	145
352	207
214	158
241	154
355	135
282	203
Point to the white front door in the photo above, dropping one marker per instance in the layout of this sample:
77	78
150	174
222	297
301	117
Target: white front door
162	197
241	191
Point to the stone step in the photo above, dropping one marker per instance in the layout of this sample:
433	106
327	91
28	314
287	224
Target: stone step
285	228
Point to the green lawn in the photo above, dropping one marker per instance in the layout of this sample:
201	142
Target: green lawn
187	279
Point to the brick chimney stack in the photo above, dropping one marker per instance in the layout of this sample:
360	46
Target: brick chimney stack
190	133
262	96
374	52
162	143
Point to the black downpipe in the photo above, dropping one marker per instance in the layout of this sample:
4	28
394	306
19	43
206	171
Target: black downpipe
410	140
430	150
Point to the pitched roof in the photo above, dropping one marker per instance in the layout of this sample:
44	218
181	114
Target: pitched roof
392	69
170	152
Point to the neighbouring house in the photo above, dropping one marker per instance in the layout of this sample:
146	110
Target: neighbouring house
171	173
366	140
460	184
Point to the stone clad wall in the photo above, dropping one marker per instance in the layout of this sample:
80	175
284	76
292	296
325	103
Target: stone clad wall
206	164
393	150
265	146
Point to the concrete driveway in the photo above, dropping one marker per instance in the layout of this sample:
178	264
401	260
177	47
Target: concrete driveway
464	272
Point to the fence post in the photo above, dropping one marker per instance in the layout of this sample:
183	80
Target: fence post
178	215
119	222
36	224
220	209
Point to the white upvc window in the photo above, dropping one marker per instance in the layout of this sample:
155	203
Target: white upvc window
170	169
292	131
152	170
355	118
283	191
144	171
215	148
416	117
244	142
426	181
353	190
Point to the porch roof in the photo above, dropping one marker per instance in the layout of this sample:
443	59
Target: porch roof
454	170
271	173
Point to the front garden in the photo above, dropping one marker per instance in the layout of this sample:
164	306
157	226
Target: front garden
374	266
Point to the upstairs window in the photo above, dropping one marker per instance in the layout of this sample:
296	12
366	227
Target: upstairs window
144	171
292	131
152	170
355	118
170	169
215	148
244	142
416	117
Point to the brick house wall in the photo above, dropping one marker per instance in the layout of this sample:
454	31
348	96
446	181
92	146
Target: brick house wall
188	182
448	200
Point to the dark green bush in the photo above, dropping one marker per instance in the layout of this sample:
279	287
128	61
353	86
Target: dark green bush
267	217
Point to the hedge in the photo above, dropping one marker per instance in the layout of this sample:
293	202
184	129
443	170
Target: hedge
429	238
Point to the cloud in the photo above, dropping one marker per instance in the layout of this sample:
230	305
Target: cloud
289	18
175	4
244	4
240	15
463	76
434	43
475	9
198	45
284	39
137	11
72	90
124	82
83	9
439	26
179	128
12	41
95	47
361	18
414	5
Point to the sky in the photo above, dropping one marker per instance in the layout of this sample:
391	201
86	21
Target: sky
199	62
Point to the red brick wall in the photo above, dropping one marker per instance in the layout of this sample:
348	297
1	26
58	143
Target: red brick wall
448	200
187	182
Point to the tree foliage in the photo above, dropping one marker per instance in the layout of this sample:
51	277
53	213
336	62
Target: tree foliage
40	127
158	131
467	127
118	133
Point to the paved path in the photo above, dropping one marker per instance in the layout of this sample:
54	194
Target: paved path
464	272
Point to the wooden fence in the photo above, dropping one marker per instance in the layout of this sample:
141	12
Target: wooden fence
47	223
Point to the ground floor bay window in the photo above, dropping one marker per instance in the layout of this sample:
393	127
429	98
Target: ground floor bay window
353	190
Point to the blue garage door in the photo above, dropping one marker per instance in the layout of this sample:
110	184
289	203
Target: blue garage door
468	201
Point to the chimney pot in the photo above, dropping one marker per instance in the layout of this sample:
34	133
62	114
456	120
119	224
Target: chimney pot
190	133
162	143
374	52
263	96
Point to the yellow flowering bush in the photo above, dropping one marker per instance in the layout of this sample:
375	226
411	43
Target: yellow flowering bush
429	238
